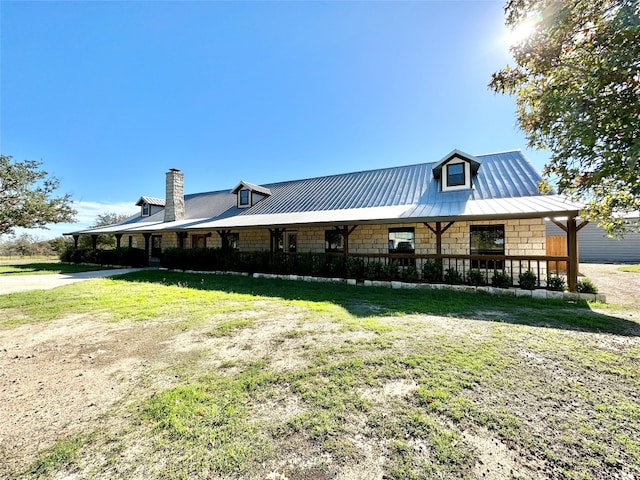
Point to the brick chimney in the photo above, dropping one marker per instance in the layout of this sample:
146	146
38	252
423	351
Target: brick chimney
174	202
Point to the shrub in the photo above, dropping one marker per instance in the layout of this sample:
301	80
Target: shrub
475	277
528	280
355	267
390	271
409	274
556	283
452	276
586	286
373	271
501	279
432	271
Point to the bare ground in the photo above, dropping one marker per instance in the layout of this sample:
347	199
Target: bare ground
60	378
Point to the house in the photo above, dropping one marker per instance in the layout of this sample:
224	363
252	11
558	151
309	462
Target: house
468	211
595	246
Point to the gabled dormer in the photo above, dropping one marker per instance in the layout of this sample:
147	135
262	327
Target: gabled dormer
149	206
249	194
456	171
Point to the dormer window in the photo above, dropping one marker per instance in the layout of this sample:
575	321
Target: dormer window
455	174
249	194
243	199
150	206
456	171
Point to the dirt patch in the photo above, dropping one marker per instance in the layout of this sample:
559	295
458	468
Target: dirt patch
620	288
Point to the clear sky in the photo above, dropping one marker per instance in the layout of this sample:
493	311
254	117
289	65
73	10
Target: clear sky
110	95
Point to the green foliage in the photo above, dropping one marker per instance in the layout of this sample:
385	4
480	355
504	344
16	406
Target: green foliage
556	283
355	267
586	286
453	276
475	277
527	280
501	279
432	271
27	197
409	274
577	90
125	256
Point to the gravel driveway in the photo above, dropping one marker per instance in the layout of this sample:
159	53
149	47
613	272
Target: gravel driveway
21	283
620	288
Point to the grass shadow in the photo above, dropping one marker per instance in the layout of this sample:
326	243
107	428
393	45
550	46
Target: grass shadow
363	302
46	268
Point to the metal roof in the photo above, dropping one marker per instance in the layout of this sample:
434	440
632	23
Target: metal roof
151	201
505	186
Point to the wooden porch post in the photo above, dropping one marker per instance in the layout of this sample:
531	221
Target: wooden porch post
275	233
224	238
182	236
75	241
572	230
438	231
118	239
147	249
346	231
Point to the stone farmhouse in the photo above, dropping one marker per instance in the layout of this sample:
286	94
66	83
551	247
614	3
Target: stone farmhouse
467	211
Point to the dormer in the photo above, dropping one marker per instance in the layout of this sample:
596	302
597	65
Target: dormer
456	171
249	194
149	206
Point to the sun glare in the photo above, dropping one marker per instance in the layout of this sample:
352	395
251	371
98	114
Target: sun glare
520	32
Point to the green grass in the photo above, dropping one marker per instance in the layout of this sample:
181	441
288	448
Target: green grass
61	455
630	268
408	375
45	268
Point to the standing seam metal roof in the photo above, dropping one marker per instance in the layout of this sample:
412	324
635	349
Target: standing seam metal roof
501	180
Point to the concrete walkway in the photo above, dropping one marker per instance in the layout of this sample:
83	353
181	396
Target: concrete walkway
22	283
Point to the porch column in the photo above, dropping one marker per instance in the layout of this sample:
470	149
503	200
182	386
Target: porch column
573	264
181	238
224	239
438	231
118	239
275	233
346	231
147	249
94	241
75	241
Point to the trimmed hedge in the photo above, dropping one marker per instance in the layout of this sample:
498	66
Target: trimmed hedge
125	256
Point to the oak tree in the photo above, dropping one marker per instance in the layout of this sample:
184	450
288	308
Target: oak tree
27	197
576	79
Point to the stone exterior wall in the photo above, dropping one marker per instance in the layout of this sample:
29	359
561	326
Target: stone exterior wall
522	237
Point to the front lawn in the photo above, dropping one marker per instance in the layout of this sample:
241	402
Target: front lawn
46	268
234	377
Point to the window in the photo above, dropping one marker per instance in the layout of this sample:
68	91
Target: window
198	240
244	198
333	241
292	242
455	174
402	240
130	241
145	209
486	240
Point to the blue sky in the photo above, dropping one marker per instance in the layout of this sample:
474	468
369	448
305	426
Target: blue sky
110	95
